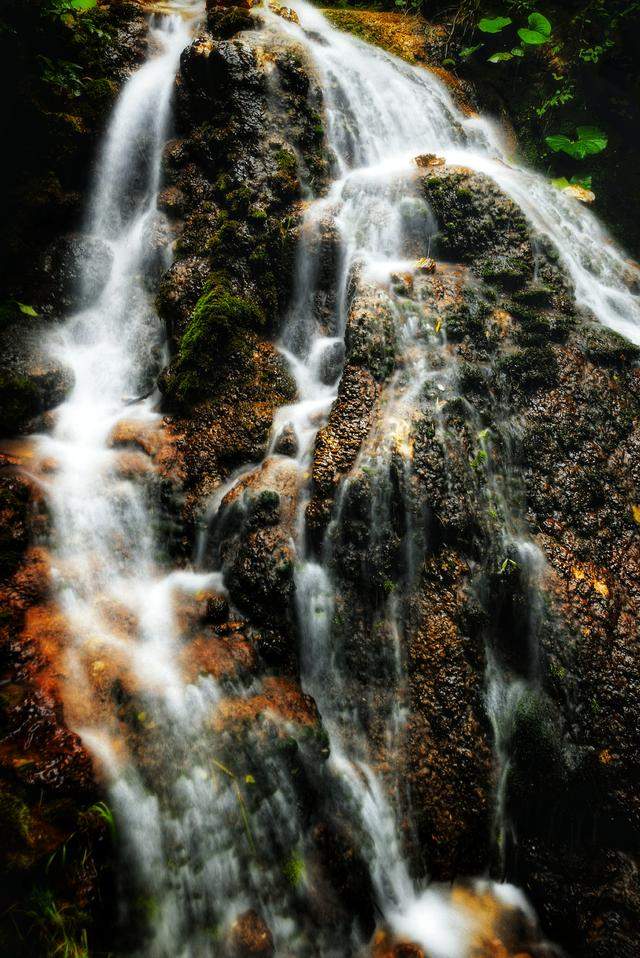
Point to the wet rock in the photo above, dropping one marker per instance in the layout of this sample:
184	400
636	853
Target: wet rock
331	361
338	443
370	337
287	442
250	936
63	277
30	381
479	224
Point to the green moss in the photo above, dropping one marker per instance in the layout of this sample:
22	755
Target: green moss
100	91
534	295
608	348
537	753
471	378
294	869
528	368
509	273
538	327
286	161
215	322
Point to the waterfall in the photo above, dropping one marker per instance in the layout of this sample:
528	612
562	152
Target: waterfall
189	869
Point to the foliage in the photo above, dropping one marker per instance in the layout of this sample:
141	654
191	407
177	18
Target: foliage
535	34
589	140
538	32
496	25
58	925
561	182
104	812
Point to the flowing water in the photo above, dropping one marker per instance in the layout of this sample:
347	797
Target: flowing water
195	852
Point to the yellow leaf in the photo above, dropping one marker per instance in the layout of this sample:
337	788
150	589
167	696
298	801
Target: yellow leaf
601	588
577	573
438	325
636	513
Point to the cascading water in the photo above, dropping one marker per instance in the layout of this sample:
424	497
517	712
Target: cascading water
190	868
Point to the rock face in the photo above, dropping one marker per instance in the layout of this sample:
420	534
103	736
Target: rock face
540	429
481	532
251	137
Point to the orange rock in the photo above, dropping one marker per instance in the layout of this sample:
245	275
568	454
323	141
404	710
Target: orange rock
219	656
250	935
280	697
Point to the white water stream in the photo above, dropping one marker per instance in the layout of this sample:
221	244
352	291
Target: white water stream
174	825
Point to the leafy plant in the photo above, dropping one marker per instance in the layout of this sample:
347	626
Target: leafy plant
538	31
496	25
506	55
589	140
479	460
63	74
562	182
104	812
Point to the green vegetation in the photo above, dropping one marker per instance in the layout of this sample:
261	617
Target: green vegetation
566	73
218	316
294	869
589	140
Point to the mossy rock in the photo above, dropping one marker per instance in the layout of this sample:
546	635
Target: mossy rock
608	348
226	22
537	754
538	327
535	294
19	402
509	272
217	317
527	369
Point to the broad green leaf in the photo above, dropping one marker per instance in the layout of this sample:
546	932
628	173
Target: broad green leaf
591	139
560	183
495	25
500	57
83	4
468	51
532	37
539	24
559	144
27	310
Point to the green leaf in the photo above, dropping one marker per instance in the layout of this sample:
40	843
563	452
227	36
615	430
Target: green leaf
500	57
83	4
559	144
517	52
531	37
495	25
591	140
539	24
27	310
468	51
561	182
583	181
